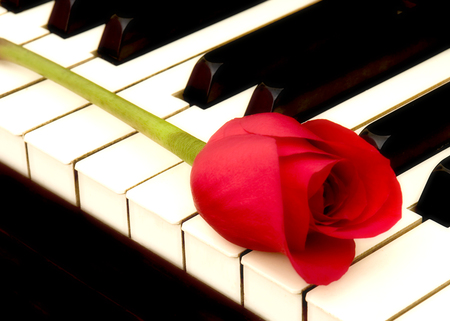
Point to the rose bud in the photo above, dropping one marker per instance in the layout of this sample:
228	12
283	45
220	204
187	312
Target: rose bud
268	183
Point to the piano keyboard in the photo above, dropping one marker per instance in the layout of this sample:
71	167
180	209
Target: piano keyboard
101	165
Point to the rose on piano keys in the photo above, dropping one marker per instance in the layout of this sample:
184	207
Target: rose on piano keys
265	181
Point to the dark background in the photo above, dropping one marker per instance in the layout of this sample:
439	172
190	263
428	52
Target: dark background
57	263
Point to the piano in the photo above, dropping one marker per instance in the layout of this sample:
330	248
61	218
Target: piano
99	219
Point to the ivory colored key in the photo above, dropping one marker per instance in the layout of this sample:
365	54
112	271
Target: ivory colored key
395	92
27	25
388	282
274	291
202	123
105	177
117	77
212	259
70	51
54	148
157	209
158	94
26	110
434	308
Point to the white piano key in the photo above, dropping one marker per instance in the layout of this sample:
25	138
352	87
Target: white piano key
393	93
27	25
105	177
212	259
435	308
70	51
36	105
157	208
115	78
272	288
156	94
202	123
26	110
66	52
388	282
53	149
13	152
14	77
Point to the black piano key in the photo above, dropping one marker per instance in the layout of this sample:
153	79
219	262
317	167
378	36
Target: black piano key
20	5
147	26
353	63
434	202
71	17
413	132
244	62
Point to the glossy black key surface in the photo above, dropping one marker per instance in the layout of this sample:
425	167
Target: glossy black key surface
149	25
246	61
20	5
434	203
70	17
413	132
353	62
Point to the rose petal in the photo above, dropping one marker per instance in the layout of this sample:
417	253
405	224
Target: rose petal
230	128
290	146
368	165
332	132
306	171
301	176
352	188
324	260
236	188
297	217
387	216
276	125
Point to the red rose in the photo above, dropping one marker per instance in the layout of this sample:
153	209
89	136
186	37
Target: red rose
269	183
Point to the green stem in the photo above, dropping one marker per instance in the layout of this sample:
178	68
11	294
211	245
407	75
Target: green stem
167	135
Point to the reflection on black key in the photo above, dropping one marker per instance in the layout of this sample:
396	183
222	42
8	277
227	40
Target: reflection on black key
434	202
286	43
415	131
20	5
70	17
150	25
353	62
